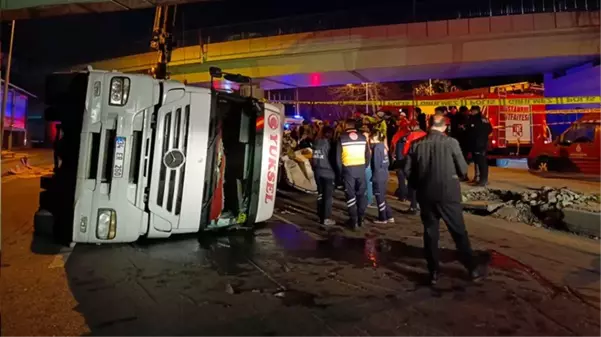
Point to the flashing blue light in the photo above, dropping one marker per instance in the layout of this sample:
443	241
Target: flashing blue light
298	117
286	126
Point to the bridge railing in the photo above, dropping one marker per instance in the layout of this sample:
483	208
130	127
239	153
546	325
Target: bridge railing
404	12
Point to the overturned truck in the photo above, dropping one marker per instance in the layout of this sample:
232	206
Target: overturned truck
137	156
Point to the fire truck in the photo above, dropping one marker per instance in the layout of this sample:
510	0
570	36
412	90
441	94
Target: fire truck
138	156
515	128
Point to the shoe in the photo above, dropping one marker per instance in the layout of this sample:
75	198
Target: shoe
412	211
482	184
371	206
433	278
380	222
352	225
476	275
391	220
328	222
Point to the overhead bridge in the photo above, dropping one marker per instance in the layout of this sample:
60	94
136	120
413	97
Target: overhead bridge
486	46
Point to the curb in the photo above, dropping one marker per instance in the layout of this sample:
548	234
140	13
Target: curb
582	222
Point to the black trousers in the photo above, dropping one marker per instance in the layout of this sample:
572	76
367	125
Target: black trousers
451	214
412	196
325	192
354	190
481	163
401	192
384	212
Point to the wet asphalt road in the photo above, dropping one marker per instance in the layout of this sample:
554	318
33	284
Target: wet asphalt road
291	277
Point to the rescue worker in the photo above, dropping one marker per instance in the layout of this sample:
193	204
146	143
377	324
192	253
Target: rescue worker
352	158
381	126
369	193
404	123
379	180
323	169
415	134
478	131
421	119
434	164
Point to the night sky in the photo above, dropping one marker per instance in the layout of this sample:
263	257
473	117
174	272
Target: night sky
45	45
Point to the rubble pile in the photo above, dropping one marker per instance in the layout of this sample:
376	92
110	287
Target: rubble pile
548	198
537	207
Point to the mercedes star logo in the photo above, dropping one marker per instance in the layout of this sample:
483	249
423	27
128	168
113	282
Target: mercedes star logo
174	159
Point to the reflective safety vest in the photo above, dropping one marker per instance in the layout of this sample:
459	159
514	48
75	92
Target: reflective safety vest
353	146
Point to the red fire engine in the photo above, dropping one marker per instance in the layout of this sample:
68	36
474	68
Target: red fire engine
515	128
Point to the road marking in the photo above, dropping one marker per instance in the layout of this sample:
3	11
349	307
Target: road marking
279	217
60	259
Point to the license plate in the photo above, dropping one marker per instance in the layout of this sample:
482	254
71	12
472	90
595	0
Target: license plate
119	157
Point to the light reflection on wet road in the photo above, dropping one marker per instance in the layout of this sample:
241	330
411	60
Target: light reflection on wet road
281	279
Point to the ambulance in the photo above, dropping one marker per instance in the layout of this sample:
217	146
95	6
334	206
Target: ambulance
140	157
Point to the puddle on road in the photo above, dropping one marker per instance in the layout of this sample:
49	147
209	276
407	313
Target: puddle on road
229	252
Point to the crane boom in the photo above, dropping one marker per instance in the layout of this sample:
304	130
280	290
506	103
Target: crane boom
162	38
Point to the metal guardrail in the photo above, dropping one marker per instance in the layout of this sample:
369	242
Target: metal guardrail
403	12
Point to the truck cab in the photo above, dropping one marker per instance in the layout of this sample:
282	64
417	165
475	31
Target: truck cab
136	156
576	150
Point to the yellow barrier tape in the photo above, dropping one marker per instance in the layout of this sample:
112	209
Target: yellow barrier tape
459	102
548	112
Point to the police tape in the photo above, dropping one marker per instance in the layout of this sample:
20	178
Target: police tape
458	102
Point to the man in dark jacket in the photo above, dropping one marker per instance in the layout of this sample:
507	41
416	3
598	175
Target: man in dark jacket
478	130
421	119
323	170
398	145
352	158
433	166
453	117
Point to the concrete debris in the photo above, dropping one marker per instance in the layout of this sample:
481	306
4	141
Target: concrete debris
540	207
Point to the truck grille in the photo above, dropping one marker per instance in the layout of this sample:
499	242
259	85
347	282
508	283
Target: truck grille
173	159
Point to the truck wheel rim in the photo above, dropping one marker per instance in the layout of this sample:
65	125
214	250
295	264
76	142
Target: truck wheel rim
543	167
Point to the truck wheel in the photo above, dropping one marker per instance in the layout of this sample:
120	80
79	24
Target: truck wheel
542	164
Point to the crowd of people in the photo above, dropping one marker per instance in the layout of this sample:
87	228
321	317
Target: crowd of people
429	156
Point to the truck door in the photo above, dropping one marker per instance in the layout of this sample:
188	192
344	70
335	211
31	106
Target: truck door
579	150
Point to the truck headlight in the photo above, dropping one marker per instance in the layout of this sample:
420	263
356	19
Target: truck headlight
119	91
106	227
